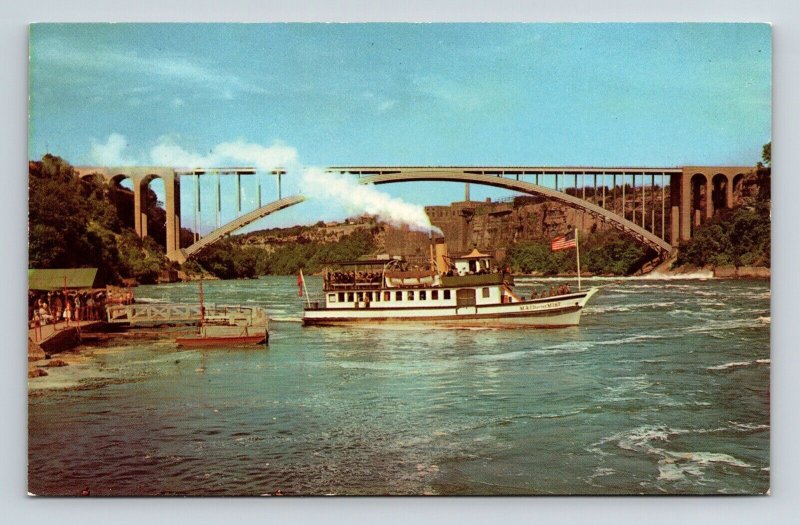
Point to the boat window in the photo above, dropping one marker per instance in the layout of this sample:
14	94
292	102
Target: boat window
360	296
435	295
485	292
422	295
377	296
387	296
411	295
447	294
350	297
341	297
331	297
398	296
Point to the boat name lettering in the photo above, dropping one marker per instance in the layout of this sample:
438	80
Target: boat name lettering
538	306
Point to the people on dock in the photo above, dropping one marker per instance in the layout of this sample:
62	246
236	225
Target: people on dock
54	306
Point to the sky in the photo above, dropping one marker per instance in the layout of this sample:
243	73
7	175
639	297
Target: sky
317	95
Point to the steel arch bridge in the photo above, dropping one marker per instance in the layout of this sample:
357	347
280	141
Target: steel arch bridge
398	175
241	222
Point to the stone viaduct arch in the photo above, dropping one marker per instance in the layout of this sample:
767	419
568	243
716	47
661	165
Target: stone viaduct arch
140	177
698	192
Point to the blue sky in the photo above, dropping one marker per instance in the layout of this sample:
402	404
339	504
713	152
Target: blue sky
410	94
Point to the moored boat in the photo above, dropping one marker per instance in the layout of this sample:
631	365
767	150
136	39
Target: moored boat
226	338
466	291
227	326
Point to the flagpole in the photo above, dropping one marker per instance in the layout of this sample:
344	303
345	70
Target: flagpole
308	299
578	257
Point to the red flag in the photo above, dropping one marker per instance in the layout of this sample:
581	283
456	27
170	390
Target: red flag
563	242
300	284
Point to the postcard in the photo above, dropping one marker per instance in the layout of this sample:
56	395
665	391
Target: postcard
399	259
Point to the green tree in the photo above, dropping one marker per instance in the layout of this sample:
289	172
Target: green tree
75	223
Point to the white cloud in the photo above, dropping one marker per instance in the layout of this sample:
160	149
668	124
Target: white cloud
379	103
386	105
177	69
462	96
112	152
167	152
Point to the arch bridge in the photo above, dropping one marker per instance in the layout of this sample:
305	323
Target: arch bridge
658	207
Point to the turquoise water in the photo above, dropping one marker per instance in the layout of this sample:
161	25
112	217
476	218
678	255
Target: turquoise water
664	388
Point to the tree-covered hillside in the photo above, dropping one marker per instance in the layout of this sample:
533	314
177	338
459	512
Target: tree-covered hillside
73	223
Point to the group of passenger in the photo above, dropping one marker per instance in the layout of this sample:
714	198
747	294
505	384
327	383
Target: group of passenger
554	290
56	306
354	277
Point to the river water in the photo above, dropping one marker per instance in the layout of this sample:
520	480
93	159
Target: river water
664	388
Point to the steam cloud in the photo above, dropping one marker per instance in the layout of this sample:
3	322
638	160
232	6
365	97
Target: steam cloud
360	198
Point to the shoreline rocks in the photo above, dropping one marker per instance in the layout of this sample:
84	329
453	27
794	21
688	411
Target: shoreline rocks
742	272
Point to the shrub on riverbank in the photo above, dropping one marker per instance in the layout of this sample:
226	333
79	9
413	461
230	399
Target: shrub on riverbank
601	253
739	237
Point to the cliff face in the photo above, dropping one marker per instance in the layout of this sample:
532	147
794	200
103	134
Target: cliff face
324	233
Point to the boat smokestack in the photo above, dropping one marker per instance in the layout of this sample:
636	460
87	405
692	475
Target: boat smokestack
440	250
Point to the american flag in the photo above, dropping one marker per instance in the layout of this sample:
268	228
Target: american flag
563	242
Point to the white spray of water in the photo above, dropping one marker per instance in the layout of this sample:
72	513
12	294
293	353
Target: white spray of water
361	198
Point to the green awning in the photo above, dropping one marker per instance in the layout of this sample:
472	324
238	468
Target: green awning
53	279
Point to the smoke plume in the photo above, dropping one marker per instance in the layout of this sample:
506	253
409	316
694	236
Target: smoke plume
360	198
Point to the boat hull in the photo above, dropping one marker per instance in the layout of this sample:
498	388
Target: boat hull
553	312
221	341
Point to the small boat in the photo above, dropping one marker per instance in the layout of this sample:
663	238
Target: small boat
461	292
205	339
227	326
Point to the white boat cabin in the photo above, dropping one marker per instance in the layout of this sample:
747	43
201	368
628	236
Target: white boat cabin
378	284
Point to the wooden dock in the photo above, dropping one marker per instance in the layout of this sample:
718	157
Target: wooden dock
187	314
56	337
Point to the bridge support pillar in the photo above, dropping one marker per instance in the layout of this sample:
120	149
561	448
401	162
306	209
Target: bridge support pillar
686	205
709	197
729	192
140	207
172	203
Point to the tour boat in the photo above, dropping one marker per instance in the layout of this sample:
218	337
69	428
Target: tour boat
469	291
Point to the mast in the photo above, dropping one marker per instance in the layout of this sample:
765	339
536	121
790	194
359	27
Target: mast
202	308
578	257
